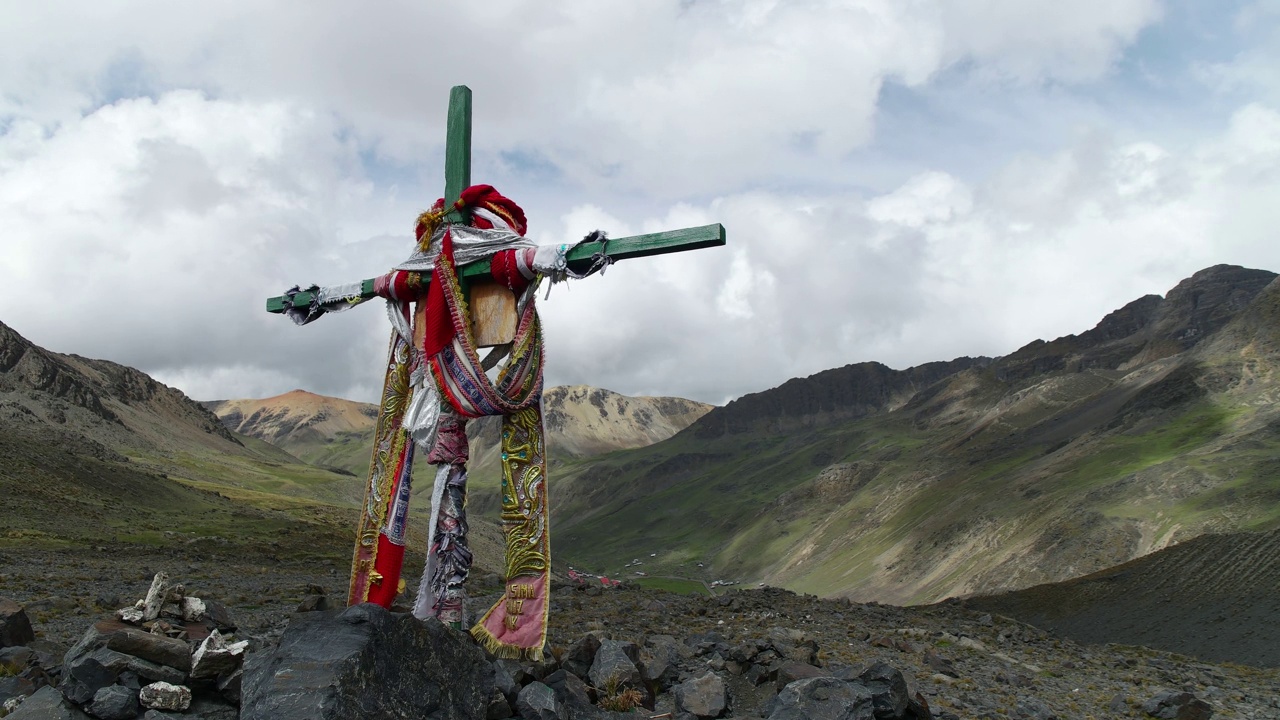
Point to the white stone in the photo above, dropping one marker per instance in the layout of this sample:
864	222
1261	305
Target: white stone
968	642
215	657
165	696
130	615
193	609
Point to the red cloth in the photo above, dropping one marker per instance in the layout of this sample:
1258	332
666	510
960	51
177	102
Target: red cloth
439	330
504	270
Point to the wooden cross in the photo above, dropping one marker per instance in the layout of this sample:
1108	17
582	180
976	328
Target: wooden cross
457	177
493	315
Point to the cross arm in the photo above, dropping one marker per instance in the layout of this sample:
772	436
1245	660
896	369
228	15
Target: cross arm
659	243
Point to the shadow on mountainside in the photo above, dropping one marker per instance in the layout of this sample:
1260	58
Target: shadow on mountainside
1213	597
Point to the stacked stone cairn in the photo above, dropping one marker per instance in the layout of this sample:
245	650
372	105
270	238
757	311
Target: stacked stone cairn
167	656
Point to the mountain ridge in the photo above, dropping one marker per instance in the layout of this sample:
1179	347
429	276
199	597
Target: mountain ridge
1061	458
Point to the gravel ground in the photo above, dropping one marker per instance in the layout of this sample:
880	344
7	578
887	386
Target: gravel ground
967	663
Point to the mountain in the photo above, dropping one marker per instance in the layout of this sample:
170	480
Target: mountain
95	452
1212	597
581	421
979	475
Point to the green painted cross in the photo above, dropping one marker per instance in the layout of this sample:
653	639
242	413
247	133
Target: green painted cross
457	177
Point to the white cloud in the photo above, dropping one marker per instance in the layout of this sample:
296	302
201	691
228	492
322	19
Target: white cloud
272	146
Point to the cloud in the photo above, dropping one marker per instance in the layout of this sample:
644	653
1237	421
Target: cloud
163	169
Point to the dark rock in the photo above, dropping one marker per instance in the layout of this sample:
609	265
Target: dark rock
12	687
538	702
46	704
367	662
15	628
230	686
509	676
939	664
570	690
823	698
1175	705
498	708
87	675
313	603
888	690
580	655
148	646
789	672
659	661
114	702
917	709
759	674
1034	709
16	657
219	618
613	665
209	708
704	696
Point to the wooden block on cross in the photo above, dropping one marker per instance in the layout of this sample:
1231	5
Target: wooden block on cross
493	314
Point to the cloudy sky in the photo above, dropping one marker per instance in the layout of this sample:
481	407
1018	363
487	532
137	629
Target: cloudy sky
901	180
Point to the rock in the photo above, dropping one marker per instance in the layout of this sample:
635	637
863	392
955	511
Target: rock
313	603
1175	705
15	687
15	628
215	657
789	672
131	615
230	685
1034	709
16	657
155	597
823	698
46	704
660	658
889	694
114	702
165	696
704	696
615	666
538	702
570	690
580	655
970	643
498	708
509	676
218	617
148	646
939	664
366	662
87	674
192	609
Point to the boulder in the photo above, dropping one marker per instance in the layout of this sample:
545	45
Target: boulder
215	657
15	628
888	688
704	696
115	702
789	672
165	696
823	698
538	702
615	665
580	655
46	704
367	662
1175	705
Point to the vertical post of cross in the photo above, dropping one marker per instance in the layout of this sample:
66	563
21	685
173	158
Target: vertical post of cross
457	150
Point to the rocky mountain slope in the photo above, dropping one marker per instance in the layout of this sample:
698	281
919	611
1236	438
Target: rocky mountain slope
1212	597
581	421
1061	459
95	453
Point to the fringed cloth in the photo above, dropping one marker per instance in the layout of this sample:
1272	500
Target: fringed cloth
435	381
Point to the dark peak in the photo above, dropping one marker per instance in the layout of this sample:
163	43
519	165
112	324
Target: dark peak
1206	301
844	393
